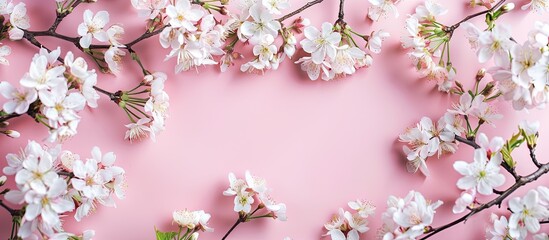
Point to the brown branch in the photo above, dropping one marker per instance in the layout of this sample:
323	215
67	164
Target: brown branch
496	201
13	212
455	26
533	156
301	9
467	141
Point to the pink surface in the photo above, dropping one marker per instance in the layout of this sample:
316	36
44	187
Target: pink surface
318	144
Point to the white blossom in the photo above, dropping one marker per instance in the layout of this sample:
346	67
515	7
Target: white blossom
483	173
19	100
92	27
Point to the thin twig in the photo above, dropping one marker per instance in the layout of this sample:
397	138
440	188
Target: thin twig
467	141
455	26
301	9
533	156
238	221
13	212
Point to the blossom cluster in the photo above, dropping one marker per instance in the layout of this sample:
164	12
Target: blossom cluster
190	223
147	113
521	70
408	217
427	138
382	8
334	52
428	44
250	190
527	212
53	93
94	27
347	225
17	17
51	183
197	38
482	175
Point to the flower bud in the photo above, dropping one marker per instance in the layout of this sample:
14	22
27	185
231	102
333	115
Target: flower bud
223	10
4	124
3	180
12	133
508	7
480	74
194	236
488	90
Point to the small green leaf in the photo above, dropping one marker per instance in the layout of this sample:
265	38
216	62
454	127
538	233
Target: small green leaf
164	235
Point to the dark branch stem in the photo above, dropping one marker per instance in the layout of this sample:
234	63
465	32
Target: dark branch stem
467	141
341	14
301	9
238	221
544	222
533	156
496	201
455	26
61	16
13	212
8	117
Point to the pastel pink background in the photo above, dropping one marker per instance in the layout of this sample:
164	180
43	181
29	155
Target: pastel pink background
318	144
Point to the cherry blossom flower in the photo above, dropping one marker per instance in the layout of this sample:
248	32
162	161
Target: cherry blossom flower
41	77
491	146
19	20
60	107
19	100
192	220
149	8
263	24
382	8
364	208
138	130
113	57
183	15
115	33
406	218
482	174
376	39
346	60
321	43
92	27
275	6
541	236
465	200
539	37
536	6
50	204
429	11
527	212
4	52
314	70
500	229
6	7
530	128
495	43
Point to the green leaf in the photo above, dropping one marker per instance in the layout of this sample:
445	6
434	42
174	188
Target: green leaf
164	235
